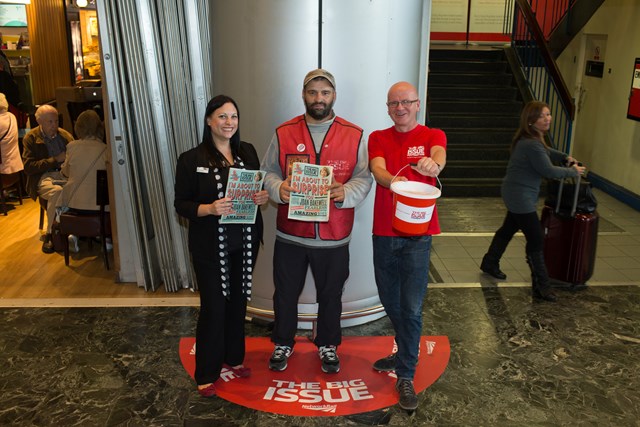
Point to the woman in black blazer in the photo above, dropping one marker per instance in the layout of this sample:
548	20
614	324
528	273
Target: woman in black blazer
223	255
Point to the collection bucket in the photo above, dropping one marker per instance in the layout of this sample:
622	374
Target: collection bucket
413	204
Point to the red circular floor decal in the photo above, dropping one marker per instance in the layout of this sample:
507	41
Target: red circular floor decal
304	390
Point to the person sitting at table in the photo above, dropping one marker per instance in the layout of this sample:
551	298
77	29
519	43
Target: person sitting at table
44	151
84	157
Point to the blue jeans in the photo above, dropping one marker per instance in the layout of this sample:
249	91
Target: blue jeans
401	267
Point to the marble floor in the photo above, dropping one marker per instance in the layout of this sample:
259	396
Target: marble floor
514	361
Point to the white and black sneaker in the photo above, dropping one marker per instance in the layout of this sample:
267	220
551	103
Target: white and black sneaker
279	357
73	244
329	358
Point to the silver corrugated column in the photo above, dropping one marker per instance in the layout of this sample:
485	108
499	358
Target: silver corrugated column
261	52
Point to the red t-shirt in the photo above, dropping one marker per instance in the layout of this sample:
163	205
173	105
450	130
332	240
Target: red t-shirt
399	149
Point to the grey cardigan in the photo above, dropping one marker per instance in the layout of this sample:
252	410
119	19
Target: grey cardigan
530	162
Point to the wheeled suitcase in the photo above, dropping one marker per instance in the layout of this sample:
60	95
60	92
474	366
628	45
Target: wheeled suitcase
570	240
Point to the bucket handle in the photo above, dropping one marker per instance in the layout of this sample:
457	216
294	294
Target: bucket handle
411	164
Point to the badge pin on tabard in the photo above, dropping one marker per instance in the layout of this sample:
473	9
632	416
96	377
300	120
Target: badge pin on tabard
430	346
300	148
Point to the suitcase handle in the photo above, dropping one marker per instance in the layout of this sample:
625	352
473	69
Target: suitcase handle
575	197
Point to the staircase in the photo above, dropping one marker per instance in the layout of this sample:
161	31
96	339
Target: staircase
474	99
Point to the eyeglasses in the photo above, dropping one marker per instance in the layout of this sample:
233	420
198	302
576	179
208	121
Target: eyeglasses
405	103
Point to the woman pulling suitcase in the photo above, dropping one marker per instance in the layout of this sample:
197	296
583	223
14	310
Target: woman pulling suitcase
531	160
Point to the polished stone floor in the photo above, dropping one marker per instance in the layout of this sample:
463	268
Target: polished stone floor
514	362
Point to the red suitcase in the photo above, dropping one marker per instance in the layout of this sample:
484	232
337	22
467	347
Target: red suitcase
570	241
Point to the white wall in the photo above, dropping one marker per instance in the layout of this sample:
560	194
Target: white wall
605	140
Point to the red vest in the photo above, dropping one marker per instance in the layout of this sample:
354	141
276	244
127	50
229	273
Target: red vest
340	150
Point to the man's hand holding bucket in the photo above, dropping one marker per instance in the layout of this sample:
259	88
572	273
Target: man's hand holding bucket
427	166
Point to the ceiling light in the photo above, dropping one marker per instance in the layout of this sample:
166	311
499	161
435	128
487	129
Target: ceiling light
81	3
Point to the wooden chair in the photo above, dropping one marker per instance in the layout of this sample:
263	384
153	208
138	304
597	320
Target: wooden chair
8	181
89	225
43	210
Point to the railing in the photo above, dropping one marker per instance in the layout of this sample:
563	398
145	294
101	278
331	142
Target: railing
549	13
542	74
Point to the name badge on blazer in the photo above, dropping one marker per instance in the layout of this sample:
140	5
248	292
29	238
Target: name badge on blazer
202	169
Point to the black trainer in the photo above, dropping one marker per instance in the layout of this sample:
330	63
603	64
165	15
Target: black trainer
408	398
279	357
329	357
386	364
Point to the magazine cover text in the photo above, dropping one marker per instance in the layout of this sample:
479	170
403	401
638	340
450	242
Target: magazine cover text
241	187
311	200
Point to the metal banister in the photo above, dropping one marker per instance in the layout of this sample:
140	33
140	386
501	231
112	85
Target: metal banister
542	74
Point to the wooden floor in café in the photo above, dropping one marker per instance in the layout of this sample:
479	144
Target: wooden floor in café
29	277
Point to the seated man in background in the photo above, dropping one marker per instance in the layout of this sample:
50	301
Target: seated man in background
44	152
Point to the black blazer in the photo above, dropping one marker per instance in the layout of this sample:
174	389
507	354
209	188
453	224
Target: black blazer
193	188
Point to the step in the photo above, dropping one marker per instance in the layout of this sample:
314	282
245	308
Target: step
478	94
469	79
481	187
503	108
473	169
477	152
471	121
473	99
470	54
467	67
487	137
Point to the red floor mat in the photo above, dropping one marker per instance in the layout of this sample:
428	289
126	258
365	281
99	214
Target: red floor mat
304	390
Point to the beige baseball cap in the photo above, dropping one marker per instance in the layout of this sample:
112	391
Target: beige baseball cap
319	72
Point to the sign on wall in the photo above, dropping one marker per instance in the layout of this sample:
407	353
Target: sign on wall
633	112
471	21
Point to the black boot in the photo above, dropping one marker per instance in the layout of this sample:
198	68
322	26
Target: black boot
491	260
539	277
47	245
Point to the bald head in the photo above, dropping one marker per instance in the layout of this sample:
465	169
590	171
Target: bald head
403	105
404	87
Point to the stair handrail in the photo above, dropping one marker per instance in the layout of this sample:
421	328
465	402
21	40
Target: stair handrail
542	74
550	63
560	9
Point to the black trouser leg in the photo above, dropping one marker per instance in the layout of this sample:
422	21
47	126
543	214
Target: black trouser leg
539	276
491	260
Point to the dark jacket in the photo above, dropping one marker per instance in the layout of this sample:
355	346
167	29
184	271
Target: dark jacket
531	161
36	159
193	189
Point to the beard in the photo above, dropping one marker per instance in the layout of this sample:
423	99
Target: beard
319	114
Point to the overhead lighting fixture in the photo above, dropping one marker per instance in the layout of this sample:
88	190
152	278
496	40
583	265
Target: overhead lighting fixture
82	3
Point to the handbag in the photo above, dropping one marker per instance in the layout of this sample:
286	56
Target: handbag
56	237
586	201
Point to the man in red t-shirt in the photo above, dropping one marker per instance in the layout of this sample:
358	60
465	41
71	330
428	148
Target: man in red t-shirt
401	262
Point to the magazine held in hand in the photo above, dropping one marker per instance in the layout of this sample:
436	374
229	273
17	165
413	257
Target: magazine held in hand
310	201
241	187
